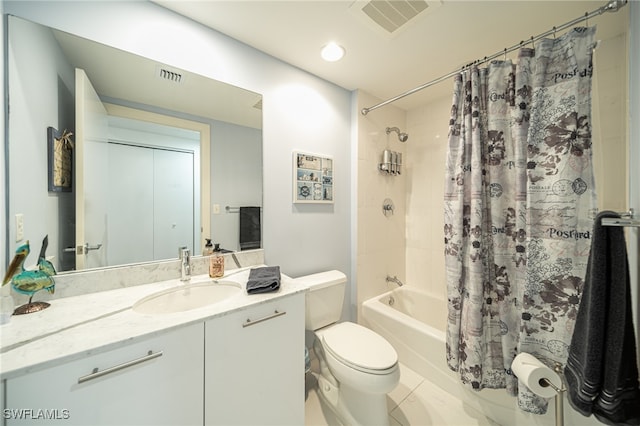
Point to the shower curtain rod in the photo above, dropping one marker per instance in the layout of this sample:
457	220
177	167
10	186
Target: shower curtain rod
611	6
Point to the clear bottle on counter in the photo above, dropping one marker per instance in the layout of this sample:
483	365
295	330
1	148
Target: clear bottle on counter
208	248
216	263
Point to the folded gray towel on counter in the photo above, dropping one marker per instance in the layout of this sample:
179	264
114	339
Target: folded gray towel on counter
263	280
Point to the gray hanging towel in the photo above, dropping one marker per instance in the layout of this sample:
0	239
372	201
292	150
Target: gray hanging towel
263	280
601	371
250	230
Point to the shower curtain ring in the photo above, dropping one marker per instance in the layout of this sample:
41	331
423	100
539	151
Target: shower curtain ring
505	53
554	32
533	46
586	19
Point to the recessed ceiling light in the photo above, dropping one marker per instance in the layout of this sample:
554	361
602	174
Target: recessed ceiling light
332	52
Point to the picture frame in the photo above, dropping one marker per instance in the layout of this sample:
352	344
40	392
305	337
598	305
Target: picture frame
59	160
312	178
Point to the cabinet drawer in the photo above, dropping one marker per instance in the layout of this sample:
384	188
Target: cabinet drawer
154	381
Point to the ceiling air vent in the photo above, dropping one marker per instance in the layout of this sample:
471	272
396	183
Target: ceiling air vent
392	16
169	74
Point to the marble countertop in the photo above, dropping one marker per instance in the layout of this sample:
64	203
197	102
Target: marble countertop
74	327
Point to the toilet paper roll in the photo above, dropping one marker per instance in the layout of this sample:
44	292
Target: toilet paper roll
531	371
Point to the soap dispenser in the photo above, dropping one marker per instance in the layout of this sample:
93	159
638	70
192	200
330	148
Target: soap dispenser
216	263
208	248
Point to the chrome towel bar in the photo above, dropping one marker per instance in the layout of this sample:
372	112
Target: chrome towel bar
625	219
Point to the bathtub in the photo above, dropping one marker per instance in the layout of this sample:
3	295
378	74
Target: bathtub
414	322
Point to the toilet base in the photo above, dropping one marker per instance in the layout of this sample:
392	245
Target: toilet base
352	405
354	408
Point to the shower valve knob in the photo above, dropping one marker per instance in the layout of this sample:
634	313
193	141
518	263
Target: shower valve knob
388	207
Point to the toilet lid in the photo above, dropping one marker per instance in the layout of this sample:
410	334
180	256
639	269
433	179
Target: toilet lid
359	346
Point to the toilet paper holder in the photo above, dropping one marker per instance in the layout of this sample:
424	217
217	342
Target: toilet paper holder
537	377
544	382
547	383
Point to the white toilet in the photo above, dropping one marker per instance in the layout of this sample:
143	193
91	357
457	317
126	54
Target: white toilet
358	367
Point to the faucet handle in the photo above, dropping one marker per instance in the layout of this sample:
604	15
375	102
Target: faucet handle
185	264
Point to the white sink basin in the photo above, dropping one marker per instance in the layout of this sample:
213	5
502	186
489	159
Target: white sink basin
187	297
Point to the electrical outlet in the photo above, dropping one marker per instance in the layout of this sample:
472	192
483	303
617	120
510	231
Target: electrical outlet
19	227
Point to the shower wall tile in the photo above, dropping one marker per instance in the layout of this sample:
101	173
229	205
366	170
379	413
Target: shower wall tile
380	240
609	117
428	276
425	191
372	271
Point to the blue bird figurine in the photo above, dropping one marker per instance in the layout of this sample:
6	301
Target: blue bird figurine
30	282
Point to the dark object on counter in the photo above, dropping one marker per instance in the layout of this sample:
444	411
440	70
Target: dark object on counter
263	280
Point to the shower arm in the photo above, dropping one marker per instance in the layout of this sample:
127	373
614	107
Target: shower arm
402	137
611	6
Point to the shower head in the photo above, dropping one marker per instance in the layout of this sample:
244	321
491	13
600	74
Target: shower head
402	137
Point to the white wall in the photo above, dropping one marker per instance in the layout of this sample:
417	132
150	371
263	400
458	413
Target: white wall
37	102
301	112
236	177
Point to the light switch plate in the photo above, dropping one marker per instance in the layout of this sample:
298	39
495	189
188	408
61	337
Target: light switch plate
19	227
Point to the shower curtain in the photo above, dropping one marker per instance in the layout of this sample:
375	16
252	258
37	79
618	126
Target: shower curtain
519	209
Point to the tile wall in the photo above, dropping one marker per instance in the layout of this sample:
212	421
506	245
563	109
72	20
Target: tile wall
380	239
426	159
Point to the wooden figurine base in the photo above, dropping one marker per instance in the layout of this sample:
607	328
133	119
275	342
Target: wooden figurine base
29	308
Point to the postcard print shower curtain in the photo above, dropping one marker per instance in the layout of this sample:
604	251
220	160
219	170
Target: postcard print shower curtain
519	208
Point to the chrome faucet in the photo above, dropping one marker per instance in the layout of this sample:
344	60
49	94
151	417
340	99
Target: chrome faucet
394	279
185	264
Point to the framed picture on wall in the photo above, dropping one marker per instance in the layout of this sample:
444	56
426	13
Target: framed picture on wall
59	159
312	178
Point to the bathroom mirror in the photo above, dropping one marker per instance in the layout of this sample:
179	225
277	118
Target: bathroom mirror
159	157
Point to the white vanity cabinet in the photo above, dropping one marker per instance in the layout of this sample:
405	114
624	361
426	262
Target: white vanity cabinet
156	381
254	365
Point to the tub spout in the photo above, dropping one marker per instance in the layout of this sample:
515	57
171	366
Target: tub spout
394	279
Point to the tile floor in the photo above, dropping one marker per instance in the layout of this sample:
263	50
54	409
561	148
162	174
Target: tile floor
414	402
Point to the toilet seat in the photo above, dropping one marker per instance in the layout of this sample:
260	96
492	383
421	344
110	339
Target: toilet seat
359	348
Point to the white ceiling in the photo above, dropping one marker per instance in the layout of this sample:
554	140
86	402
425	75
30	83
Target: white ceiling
136	79
448	35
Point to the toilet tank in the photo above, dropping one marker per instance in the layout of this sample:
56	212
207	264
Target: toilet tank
324	298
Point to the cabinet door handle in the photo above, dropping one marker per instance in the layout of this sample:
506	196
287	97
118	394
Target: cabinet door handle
95	373
267	318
